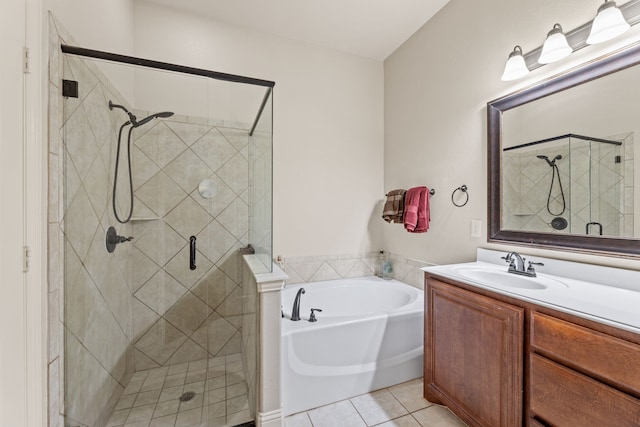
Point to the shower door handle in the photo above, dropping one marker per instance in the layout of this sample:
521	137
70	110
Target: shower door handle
192	253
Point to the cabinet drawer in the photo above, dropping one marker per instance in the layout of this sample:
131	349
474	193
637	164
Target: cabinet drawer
562	397
611	360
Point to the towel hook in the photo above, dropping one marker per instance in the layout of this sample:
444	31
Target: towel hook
462	188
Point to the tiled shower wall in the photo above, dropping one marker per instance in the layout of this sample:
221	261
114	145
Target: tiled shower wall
526	182
90	299
181	314
142	306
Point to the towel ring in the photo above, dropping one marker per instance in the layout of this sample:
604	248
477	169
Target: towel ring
462	188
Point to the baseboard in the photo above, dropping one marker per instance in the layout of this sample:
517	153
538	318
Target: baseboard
269	419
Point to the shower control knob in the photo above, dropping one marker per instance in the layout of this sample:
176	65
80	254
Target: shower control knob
112	239
312	316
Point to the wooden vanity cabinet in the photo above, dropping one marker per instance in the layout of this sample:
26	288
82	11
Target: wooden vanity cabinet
473	355
579	376
498	361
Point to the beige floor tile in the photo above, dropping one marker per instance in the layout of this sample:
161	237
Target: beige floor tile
196	376
217	422
126	401
298	420
171	393
152	383
239	418
214	383
409	394
189	418
141	413
133	387
341	414
378	407
198	365
174	380
143	423
166	408
406	421
166	421
217	410
237	404
437	416
236	390
215	396
180	368
118	418
147	397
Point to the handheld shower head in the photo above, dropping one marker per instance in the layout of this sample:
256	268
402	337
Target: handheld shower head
134	120
161	115
551	163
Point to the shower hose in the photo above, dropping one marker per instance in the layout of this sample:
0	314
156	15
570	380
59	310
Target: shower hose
555	172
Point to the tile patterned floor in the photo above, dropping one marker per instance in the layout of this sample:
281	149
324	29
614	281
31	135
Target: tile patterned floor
151	399
398	406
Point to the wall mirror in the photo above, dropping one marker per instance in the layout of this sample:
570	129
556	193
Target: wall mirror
564	160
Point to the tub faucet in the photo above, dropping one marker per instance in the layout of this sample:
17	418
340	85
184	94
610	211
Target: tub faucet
295	311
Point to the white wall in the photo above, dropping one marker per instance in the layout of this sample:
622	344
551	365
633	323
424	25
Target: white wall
328	121
100	25
436	89
12	295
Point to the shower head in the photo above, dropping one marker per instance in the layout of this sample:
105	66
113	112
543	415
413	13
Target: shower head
161	115
133	120
551	163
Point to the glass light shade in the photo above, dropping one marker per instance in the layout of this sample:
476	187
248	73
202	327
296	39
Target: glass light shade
555	46
515	67
608	23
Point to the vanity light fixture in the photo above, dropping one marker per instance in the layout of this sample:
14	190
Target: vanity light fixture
555	46
608	23
515	66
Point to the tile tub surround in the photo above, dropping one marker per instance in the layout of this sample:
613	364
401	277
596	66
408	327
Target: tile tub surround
398	406
332	267
152	397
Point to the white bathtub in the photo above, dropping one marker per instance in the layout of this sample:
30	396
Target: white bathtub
369	335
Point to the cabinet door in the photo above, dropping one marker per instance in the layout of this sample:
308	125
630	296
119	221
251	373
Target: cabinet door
473	355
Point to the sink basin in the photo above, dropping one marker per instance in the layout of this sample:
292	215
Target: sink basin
508	280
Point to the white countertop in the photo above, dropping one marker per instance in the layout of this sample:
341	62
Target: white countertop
603	294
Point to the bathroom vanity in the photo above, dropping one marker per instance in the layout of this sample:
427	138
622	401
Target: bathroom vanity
545	351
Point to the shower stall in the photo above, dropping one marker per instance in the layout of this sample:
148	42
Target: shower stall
569	184
164	176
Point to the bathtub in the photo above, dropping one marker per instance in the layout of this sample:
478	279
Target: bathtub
369	335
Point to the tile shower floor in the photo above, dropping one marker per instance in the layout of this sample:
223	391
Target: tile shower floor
152	397
398	406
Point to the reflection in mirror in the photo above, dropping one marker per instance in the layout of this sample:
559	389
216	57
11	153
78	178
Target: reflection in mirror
562	158
568	184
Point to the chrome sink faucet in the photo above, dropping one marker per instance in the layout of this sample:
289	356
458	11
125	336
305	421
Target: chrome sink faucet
517	265
295	311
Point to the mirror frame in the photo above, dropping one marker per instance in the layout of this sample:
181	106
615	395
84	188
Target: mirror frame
612	246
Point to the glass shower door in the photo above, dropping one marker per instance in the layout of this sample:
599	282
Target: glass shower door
154	329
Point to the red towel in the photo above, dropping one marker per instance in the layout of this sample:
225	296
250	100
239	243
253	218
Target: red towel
416	210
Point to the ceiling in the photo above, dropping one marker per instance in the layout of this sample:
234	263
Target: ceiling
369	28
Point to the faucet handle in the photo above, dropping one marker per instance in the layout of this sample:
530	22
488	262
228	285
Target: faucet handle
312	316
531	270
